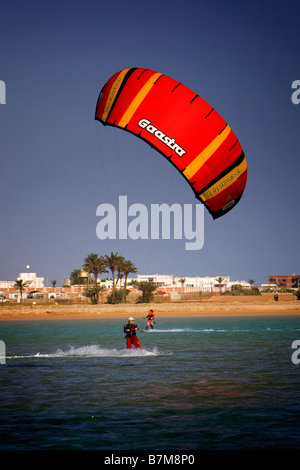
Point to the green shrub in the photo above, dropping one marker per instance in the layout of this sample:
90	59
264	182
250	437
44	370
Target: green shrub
237	289
120	296
147	289
297	293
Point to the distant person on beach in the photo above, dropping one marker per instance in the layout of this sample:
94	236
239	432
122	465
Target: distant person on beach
150	322
131	337
276	297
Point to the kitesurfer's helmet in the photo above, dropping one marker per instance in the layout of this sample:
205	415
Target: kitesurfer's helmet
130	319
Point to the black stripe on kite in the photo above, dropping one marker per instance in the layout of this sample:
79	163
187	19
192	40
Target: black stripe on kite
231	167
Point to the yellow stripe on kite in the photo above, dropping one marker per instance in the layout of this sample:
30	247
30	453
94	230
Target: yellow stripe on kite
225	182
137	100
113	92
197	163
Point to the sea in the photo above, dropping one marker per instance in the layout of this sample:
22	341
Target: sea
197	384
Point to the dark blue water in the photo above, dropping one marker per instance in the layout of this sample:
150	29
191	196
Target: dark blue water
219	383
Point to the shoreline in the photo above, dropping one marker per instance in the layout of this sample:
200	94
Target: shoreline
219	308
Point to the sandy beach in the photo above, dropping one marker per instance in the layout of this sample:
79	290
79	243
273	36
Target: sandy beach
215	306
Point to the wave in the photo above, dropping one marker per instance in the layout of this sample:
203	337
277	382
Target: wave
183	330
94	351
207	330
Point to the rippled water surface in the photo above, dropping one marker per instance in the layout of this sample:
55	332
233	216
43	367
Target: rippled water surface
219	383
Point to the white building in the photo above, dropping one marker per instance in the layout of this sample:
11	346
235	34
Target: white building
7	284
161	279
32	281
207	283
244	284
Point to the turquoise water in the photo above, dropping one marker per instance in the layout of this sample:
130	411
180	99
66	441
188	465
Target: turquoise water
219	383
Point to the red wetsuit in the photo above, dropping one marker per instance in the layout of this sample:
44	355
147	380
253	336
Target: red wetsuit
131	337
150	322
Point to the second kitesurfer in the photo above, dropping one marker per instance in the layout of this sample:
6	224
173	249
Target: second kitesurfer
150	322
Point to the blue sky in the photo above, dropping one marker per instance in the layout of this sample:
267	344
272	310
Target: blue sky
58	164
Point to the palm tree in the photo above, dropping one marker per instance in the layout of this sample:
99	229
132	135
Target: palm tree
120	269
76	277
251	282
182	282
220	280
20	285
113	262
54	284
95	264
128	267
94	292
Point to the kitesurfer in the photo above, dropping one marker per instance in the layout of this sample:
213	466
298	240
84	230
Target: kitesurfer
150	318
131	337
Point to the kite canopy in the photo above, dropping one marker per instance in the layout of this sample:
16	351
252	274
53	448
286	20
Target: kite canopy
183	127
